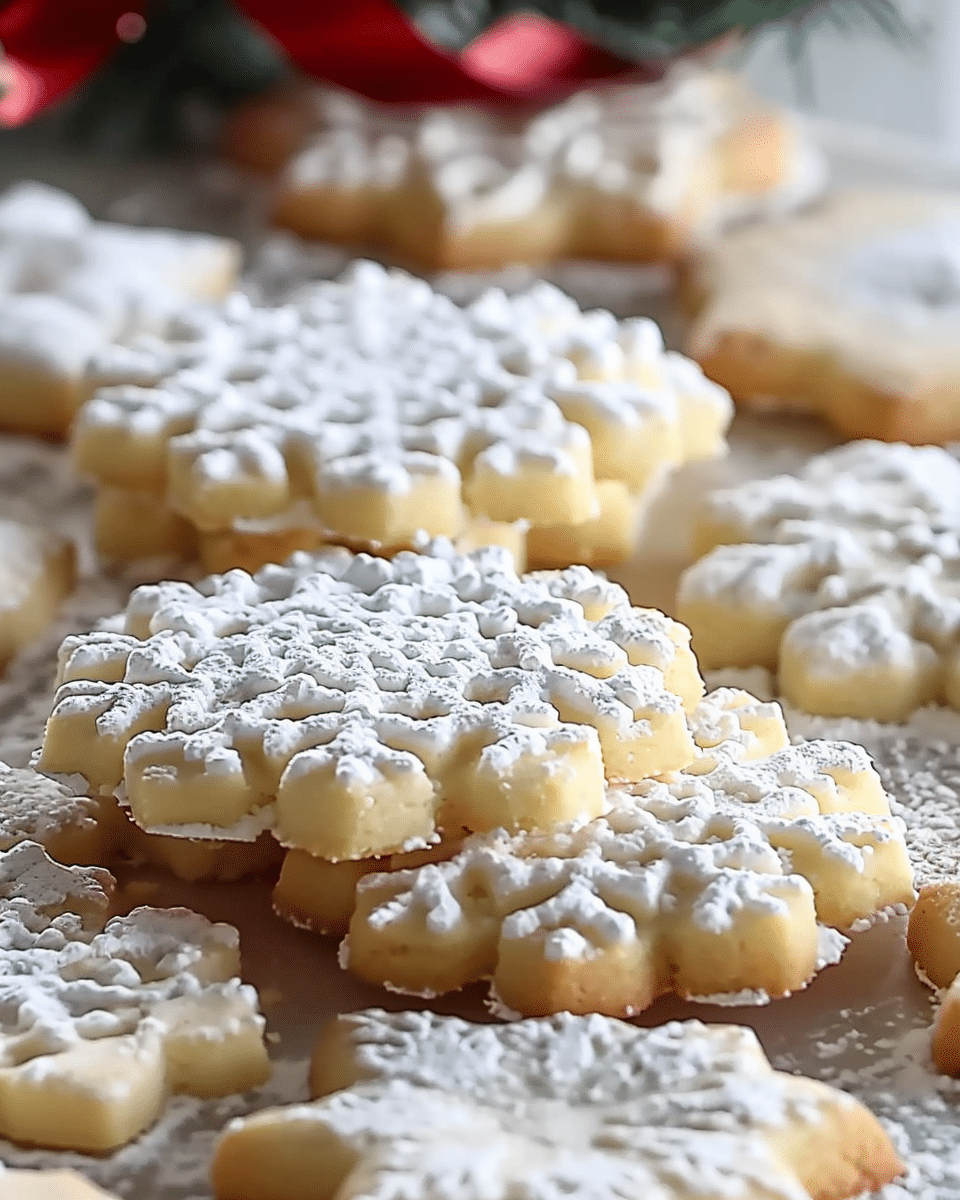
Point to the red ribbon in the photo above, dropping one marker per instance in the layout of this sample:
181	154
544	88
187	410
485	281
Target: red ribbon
367	46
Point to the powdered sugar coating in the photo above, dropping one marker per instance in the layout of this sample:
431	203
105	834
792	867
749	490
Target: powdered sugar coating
800	836
37	809
363	671
66	978
567	1104
856	559
69	285
271	418
645	144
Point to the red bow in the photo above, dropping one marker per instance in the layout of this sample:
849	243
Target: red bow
367	46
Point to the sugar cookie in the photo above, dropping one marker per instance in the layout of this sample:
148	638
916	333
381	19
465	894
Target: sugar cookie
933	938
99	1020
37	573
851	311
69	286
353	705
418	1104
624	172
728	882
727	726
372	410
844	577
47	1185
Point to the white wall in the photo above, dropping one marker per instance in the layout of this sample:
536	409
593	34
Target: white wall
858	77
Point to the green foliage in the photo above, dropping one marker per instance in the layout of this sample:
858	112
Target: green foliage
197	55
645	30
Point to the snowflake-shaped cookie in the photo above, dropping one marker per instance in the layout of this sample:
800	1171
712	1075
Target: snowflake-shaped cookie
850	310
629	172
373	409
845	577
586	1106
353	704
712	884
728	725
98	1021
37	573
69	286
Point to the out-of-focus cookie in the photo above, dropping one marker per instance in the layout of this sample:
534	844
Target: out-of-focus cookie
47	1185
420	1104
728	882
69	286
372	410
628	172
843	578
37	573
102	1018
933	937
850	310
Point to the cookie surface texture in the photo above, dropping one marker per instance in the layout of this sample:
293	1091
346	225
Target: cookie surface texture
48	1185
730	883
584	1105
37	573
372	410
70	285
101	1018
843	578
850	310
354	705
626	172
728	725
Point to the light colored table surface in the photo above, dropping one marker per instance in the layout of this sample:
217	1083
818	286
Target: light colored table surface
862	1024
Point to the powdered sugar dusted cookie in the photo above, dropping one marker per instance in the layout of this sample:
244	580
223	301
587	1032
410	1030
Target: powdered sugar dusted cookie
727	726
353	704
851	310
37	809
99	1021
719	883
47	1185
587	1106
372	410
37	573
845	577
624	172
69	286
933	937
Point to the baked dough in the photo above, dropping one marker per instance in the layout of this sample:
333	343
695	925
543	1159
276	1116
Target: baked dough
634	172
355	705
101	1018
418	1104
47	1185
37	573
850	311
727	882
372	410
933	937
728	725
69	286
844	578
